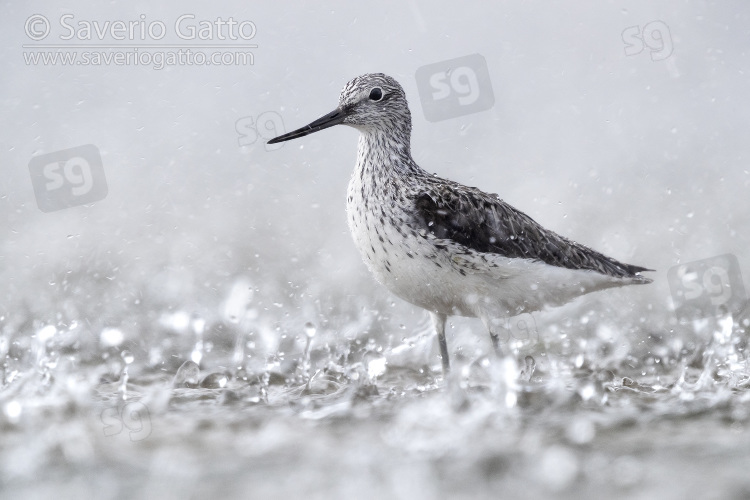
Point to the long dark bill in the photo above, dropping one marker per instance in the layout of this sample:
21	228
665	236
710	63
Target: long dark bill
333	118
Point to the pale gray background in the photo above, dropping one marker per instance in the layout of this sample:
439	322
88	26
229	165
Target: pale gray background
644	160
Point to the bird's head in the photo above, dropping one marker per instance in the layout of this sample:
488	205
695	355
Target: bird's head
370	103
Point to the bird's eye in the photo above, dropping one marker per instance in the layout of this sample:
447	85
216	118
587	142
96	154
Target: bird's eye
376	94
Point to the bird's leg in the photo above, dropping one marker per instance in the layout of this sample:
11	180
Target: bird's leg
439	321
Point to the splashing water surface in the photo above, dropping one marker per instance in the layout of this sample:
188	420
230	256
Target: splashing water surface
222	407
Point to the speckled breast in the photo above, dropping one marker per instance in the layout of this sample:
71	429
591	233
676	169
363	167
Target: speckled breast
399	258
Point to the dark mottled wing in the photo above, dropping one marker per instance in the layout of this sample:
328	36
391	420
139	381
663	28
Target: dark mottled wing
486	224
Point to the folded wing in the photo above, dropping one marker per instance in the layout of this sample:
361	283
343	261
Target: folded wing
482	222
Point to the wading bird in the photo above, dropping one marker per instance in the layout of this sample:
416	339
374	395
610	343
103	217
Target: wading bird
445	247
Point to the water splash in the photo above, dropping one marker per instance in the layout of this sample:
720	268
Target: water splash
198	325
128	359
111	337
310	331
187	375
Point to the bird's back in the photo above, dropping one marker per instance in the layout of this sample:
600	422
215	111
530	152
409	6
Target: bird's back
483	223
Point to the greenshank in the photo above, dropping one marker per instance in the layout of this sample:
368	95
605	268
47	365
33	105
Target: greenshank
445	247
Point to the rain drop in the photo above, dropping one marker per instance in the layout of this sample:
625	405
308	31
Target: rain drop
309	330
127	356
12	410
111	337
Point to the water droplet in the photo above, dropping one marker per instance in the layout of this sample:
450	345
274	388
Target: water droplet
199	325
215	381
178	321
511	399
50	363
46	333
197	355
127	356
579	360
12	410
376	365
111	337
309	330
587	391
187	375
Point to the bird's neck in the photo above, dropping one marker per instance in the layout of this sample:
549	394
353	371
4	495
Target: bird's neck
384	154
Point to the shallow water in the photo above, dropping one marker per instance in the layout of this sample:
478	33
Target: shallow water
323	417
